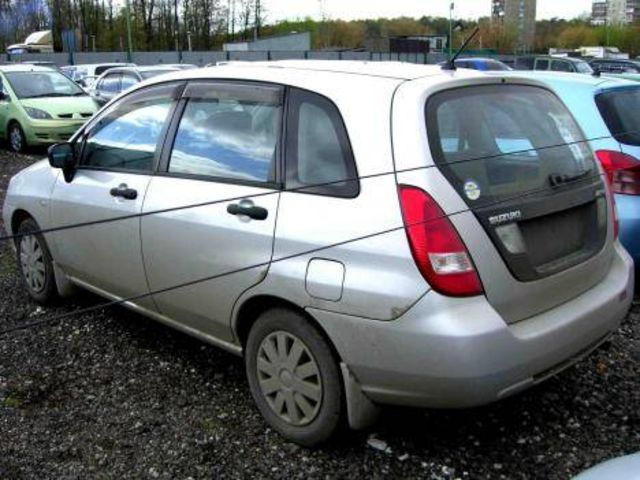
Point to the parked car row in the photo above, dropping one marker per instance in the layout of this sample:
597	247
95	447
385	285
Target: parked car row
41	104
420	237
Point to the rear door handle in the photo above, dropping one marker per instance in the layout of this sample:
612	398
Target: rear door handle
247	208
123	191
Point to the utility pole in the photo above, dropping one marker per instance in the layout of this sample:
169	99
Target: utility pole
177	27
451	7
256	23
129	41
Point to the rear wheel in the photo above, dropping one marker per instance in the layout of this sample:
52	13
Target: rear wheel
17	139
34	261
294	377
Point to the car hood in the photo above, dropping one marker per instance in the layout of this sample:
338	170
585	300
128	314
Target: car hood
56	106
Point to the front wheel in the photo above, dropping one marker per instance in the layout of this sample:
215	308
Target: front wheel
17	139
34	261
294	377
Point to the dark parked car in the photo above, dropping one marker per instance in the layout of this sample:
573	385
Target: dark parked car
482	64
615	66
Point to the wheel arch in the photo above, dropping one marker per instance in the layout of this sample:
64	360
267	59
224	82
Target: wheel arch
19	216
251	309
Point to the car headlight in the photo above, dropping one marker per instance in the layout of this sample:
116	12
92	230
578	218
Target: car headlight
37	114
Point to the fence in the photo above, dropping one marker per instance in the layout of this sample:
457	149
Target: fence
205	57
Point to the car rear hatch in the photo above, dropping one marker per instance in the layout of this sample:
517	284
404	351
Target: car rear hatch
518	160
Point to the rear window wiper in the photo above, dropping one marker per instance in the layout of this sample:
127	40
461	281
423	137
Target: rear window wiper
559	179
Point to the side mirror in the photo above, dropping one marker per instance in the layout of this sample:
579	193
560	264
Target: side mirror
62	155
3	97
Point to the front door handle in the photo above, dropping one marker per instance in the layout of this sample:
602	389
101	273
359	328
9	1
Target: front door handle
247	208
123	191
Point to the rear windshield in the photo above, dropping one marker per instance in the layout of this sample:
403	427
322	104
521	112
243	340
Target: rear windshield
620	109
500	141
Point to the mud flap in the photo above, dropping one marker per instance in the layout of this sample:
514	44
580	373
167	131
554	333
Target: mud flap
361	411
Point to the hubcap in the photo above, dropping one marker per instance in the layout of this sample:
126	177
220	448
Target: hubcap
32	263
16	139
289	378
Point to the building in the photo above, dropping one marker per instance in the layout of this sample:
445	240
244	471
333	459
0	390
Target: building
519	13
290	42
599	10
408	44
615	12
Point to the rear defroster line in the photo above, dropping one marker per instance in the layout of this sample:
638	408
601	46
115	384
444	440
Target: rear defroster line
57	318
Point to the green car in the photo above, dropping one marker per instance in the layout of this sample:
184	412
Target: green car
40	106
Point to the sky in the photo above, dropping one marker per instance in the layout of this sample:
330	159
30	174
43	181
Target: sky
355	9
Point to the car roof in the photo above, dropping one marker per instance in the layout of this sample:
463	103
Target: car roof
26	67
614	60
553	57
102	64
146	68
482	59
346	68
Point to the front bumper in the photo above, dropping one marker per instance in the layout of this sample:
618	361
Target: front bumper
629	215
454	353
47	132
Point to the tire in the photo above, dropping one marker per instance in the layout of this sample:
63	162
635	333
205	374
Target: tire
35	264
16	138
307	419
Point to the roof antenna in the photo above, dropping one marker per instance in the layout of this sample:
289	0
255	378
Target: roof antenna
451	63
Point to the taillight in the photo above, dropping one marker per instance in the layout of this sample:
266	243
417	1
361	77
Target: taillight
438	250
623	171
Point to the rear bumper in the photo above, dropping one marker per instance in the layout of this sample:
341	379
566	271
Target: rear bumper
47	132
455	353
629	214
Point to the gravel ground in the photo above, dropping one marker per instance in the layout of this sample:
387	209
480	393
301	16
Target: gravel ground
113	395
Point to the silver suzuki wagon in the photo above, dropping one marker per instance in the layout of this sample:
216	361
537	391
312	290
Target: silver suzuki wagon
362	233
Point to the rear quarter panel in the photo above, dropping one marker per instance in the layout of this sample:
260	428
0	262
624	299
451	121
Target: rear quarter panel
381	280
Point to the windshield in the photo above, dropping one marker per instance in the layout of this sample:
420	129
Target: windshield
494	142
154	73
42	84
583	67
619	108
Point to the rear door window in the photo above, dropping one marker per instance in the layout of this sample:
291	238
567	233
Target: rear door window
620	110
542	64
561	66
495	142
229	132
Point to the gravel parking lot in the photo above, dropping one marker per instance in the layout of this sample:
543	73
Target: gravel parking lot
114	395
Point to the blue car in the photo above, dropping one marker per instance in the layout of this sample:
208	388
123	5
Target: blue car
482	64
607	110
